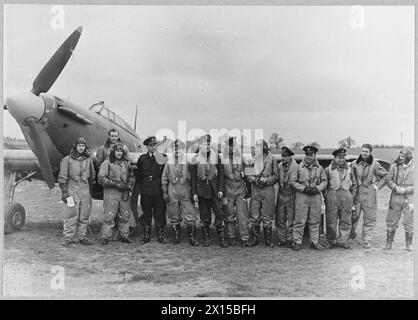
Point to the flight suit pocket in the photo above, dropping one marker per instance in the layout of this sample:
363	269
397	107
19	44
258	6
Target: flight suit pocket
70	212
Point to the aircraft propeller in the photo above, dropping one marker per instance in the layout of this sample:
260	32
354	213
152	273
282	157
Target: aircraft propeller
28	107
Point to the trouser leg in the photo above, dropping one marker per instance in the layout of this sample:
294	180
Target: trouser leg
146	205
290	222
217	210
331	212
230	218
301	215
123	216
70	222
134	204
267	208
344	225
158	210
408	219
111	206
314	218
255	212
393	216
205	211
173	213
242	218
355	219
369	222
85	209
281	222
189	212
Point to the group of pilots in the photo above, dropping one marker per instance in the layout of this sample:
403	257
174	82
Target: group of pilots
239	192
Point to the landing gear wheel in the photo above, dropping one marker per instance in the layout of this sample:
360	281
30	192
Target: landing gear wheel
14	217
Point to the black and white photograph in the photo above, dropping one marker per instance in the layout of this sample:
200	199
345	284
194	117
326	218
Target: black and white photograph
208	152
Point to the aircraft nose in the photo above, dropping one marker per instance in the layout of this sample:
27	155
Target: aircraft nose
24	105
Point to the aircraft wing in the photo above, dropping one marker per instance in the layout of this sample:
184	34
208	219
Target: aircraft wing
323	159
20	160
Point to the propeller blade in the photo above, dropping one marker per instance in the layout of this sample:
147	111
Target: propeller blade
41	153
56	64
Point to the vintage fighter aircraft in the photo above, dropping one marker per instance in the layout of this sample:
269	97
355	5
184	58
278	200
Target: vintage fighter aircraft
50	126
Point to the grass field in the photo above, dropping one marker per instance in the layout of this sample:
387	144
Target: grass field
157	270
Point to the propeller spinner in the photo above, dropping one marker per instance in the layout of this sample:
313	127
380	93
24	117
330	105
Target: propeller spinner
27	108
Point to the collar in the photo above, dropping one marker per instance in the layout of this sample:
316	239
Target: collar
171	159
399	163
211	157
263	156
315	163
334	165
369	160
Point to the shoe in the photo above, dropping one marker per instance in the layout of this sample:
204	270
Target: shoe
255	234
344	245
317	246
147	235
160	235
191	231
267	237
367	245
86	242
126	240
67	243
297	246
176	230
408	241
205	233
390	235
353	235
105	242
332	245
221	235
231	242
282	243
245	243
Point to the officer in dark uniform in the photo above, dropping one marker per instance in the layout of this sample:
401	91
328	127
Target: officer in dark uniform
208	187
150	167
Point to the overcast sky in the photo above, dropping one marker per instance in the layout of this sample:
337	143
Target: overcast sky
303	72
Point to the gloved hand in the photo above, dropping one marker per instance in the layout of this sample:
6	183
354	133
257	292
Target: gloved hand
400	190
121	186
64	191
166	197
64	196
314	190
220	194
110	184
306	190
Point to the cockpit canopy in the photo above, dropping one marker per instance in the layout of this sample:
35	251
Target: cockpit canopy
99	108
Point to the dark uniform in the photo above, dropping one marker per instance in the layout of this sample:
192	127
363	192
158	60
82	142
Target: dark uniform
148	182
207	175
